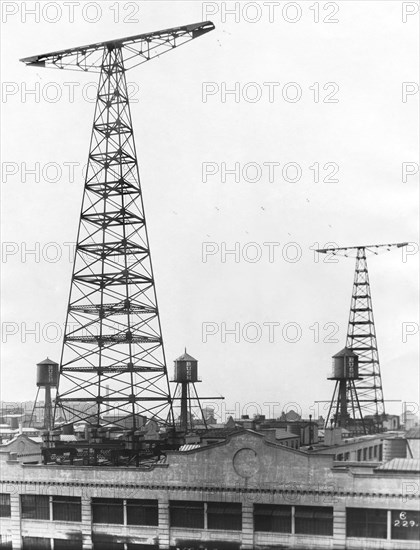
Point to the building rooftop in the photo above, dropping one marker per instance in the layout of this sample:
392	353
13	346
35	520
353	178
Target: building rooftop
281	434
189	447
68	437
413	433
411	465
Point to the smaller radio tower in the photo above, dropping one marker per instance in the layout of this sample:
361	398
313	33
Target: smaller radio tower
361	332
345	372
46	378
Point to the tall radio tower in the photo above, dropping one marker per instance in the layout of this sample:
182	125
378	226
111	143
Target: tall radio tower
361	333
113	335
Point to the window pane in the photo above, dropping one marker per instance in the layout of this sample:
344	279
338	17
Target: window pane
35	507
5	541
68	544
67	509
107	542
405	525
366	522
185	513
272	518
142	512
4	505
107	510
224	515
36	543
314	520
213	545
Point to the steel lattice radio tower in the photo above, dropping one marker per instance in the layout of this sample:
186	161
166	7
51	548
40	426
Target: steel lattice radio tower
361	333
113	368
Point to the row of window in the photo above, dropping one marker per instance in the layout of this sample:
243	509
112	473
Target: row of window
293	443
200	515
183	514
104	542
38	543
371	523
313	520
100	542
104	510
308	520
373	452
63	508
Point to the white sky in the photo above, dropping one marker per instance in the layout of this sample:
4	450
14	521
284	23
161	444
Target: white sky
368	133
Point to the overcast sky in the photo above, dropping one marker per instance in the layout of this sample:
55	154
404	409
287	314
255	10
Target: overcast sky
326	95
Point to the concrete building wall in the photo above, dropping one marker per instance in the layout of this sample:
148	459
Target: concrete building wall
246	469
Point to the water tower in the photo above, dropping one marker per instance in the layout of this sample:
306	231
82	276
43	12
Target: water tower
46	378
345	407
185	376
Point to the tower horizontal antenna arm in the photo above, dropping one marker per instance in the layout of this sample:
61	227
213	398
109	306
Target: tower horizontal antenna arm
136	49
373	248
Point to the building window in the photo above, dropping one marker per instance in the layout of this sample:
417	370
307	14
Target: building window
272	518
314	520
370	452
359	455
142	512
107	542
224	515
365	453
36	543
346	456
405	525
4	505
375	451
184	513
6	542
67	509
366	523
107	510
68	544
35	507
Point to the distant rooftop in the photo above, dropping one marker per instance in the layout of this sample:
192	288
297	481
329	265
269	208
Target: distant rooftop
413	433
281	434
189	447
401	465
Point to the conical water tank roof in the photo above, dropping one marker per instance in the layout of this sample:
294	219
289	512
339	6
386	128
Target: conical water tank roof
345	351
186	357
47	361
